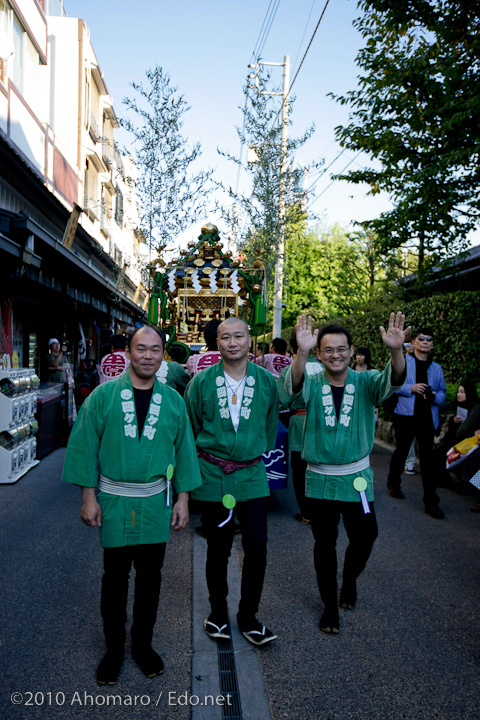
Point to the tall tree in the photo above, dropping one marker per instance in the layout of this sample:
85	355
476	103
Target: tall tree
172	195
254	214
417	114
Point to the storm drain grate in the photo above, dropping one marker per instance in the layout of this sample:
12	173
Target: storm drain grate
228	680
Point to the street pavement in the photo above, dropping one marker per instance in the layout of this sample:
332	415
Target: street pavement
408	651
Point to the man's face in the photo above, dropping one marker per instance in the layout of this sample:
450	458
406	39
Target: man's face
145	354
335	353
233	341
424	343
55	348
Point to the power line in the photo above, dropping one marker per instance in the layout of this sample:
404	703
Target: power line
331	183
324	170
300	66
261	30
260	44
304	33
265	29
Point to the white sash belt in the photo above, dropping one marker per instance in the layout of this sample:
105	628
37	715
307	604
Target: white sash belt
132	489
349	469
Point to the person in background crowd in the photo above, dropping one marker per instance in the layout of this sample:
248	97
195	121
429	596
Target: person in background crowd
276	359
416	416
131	442
261	350
337	442
233	408
464	423
362	360
202	360
57	361
116	363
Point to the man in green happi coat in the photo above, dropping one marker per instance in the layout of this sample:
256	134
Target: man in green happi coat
337	442
132	443
233	407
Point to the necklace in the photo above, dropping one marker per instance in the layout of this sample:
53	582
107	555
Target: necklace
236	389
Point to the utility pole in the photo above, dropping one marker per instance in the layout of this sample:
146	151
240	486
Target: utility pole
278	286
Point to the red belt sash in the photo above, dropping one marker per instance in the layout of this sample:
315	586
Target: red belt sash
228	466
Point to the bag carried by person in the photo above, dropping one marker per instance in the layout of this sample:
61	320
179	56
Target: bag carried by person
461	451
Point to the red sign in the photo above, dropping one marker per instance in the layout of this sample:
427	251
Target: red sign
113	366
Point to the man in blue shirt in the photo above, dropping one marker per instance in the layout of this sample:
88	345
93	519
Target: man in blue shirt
416	416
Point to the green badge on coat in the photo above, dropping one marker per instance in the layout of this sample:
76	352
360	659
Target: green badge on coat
170	472
360	484
229	502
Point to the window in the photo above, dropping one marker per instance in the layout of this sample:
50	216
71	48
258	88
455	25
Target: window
119	208
117	255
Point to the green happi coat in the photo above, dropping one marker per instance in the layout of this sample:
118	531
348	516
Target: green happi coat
104	440
297	422
207	406
331	442
174	375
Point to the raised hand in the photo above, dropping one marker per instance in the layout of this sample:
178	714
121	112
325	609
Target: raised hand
394	337
306	339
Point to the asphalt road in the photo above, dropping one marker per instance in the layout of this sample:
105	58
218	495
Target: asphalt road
408	651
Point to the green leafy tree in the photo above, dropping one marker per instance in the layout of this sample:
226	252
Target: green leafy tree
171	195
332	272
417	114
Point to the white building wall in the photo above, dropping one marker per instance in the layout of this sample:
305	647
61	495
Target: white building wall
27	134
34	22
61	111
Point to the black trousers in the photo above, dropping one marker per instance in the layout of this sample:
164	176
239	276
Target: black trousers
362	531
252	517
117	563
406	429
299	468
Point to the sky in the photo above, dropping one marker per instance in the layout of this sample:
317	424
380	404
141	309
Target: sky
206	46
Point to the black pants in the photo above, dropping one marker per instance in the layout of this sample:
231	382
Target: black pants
252	516
406	429
299	468
117	562
362	531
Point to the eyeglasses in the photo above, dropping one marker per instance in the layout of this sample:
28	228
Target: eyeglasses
425	337
331	351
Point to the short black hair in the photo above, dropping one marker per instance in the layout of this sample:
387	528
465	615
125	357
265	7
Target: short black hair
279	345
334	330
210	334
294	344
423	331
159	332
118	342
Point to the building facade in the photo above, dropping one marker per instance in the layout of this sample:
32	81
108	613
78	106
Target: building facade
70	242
